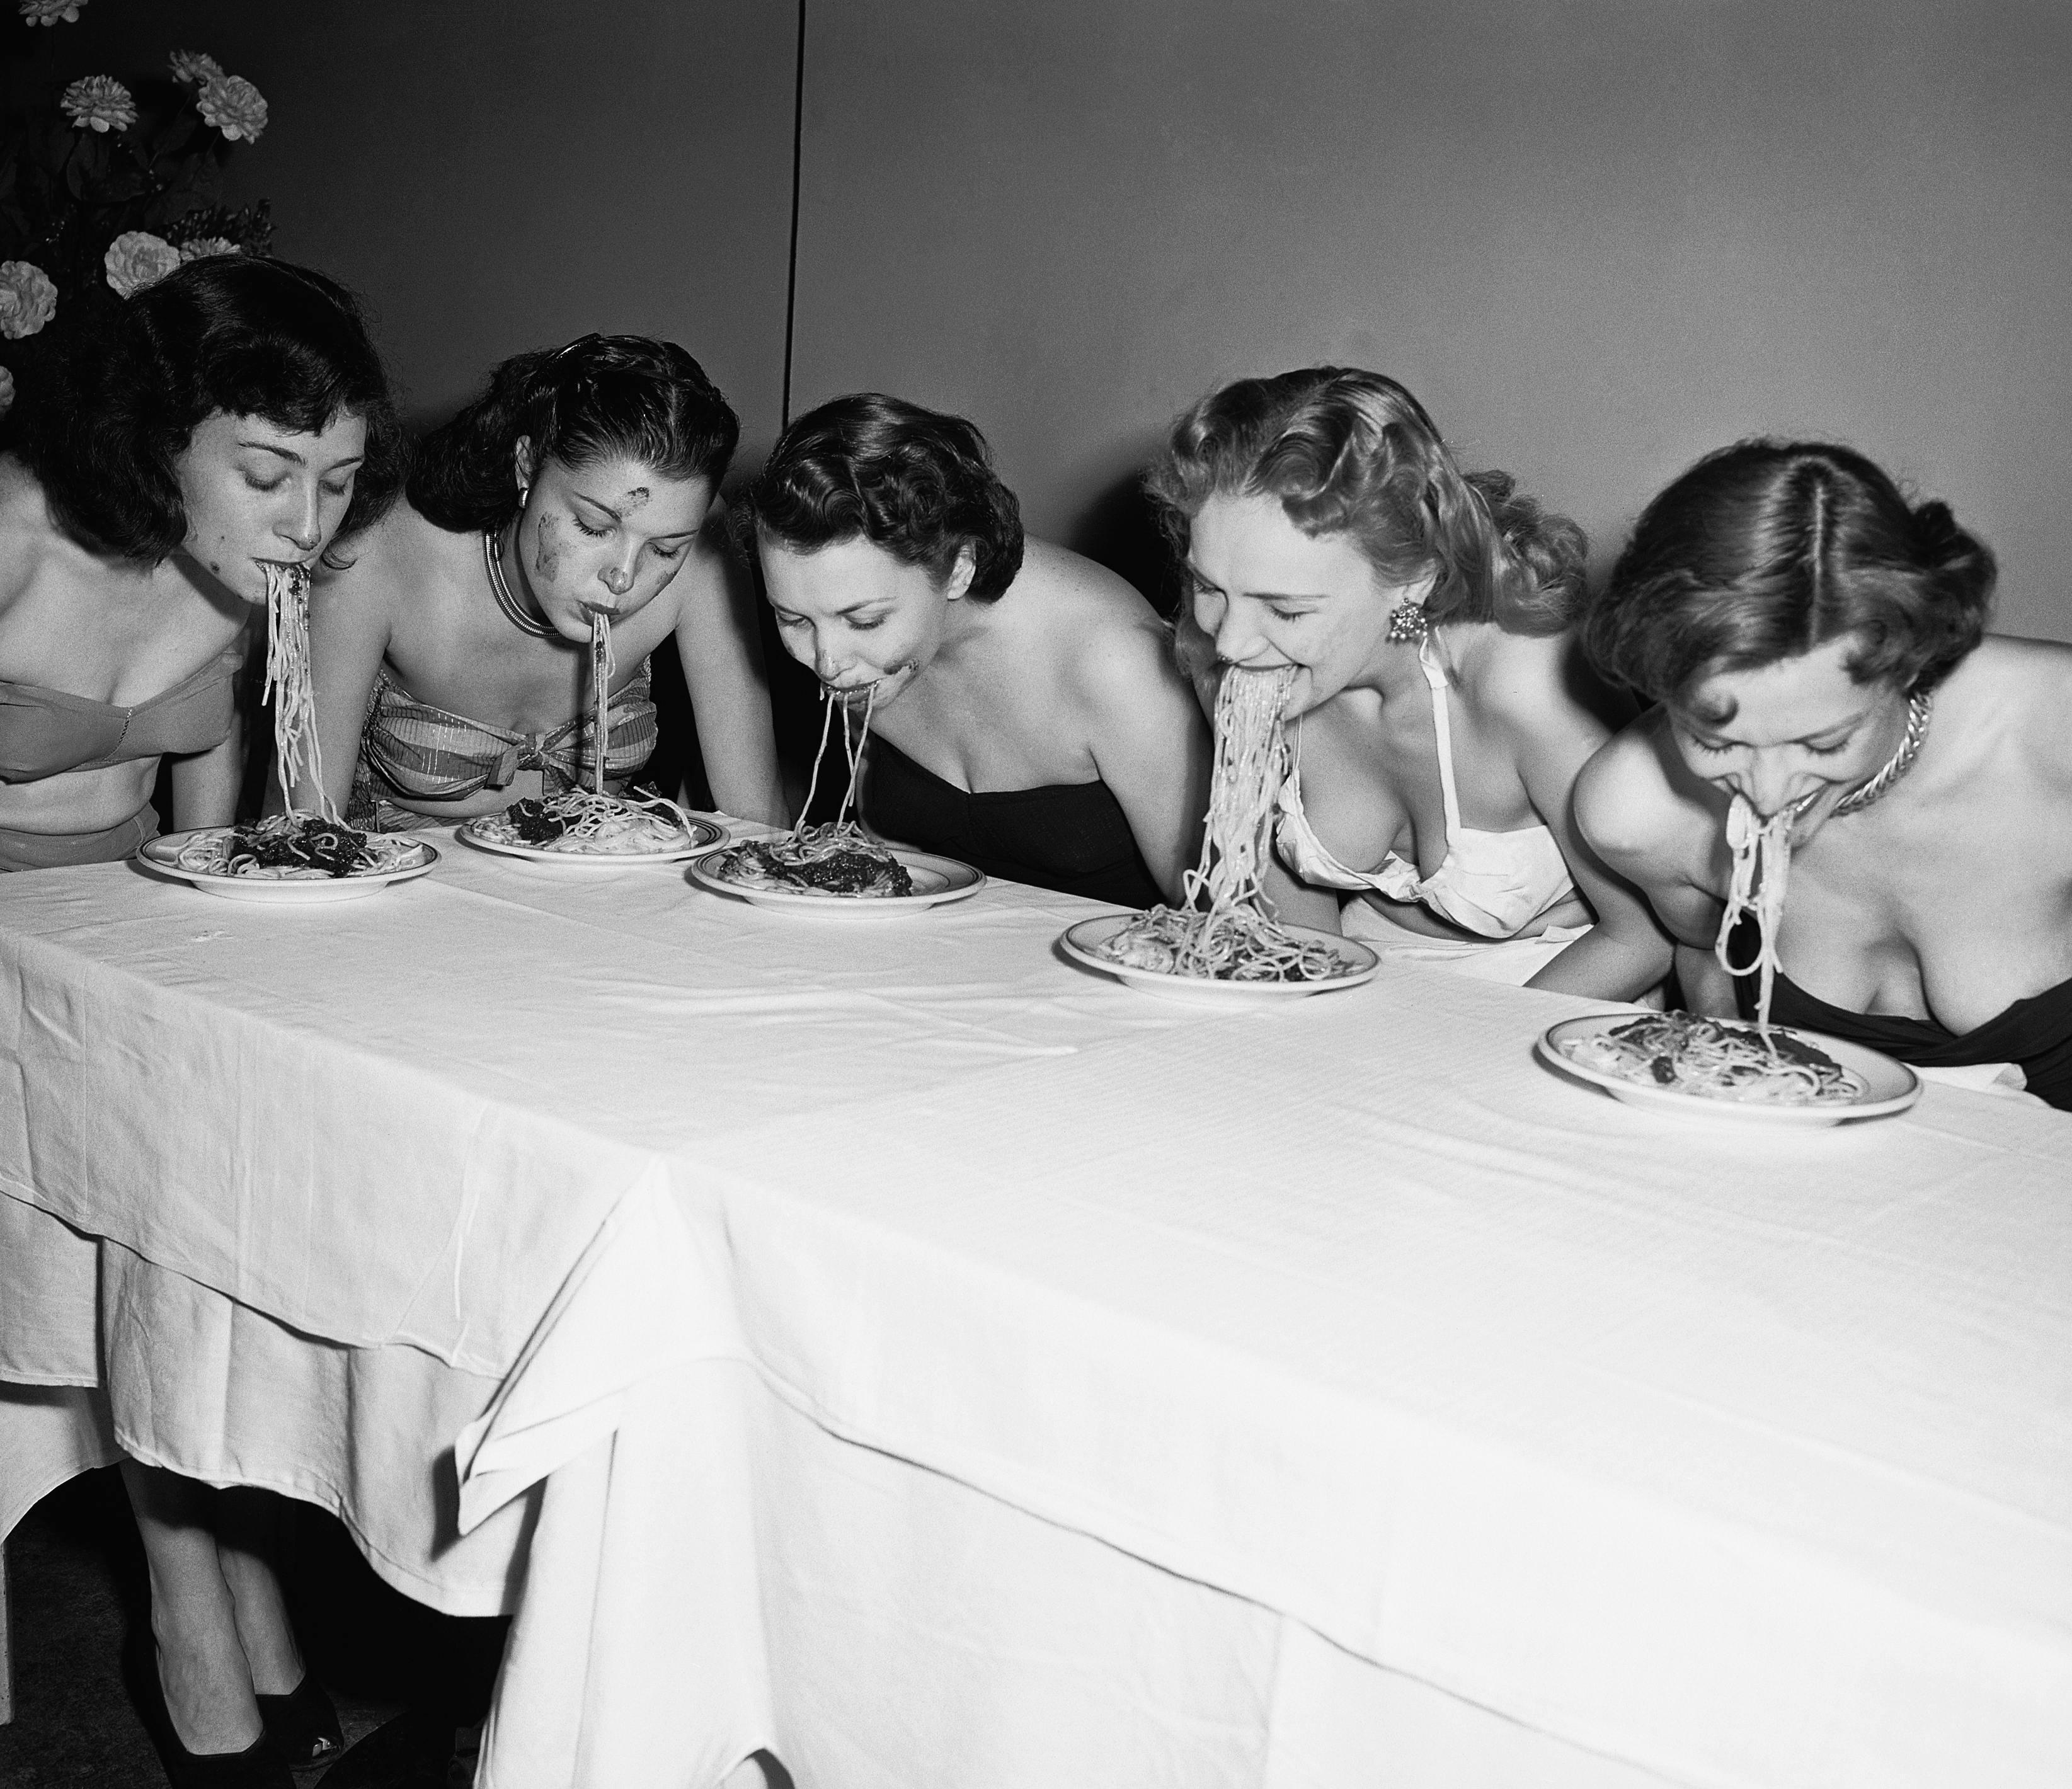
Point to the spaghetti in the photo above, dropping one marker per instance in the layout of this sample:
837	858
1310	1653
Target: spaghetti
580	824
836	858
296	847
1761	851
601	666
288	687
1225	932
1716	1060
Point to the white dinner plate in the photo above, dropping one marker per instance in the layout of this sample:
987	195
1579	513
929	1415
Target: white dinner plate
936	880
1890	1087
704	836
1079	943
161	854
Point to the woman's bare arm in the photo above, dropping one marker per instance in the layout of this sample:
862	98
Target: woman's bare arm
349	620
1636	824
717	640
206	786
1626	952
1150	743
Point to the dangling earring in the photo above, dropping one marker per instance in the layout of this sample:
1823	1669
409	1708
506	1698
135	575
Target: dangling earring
1408	624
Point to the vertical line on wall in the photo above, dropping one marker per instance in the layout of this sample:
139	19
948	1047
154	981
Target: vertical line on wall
798	141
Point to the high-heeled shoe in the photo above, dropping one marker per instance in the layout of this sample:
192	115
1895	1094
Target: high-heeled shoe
258	1767
302	1725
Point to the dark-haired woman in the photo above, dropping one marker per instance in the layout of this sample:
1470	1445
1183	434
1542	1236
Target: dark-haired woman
450	658
1025	717
233	415
1816	644
1323	524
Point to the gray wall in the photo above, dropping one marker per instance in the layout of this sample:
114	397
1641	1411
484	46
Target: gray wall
498	175
1597	238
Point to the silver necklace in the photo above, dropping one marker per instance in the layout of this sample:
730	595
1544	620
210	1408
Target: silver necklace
514	611
1918	706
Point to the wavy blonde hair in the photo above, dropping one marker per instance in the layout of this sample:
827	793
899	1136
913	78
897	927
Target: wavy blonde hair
1351	452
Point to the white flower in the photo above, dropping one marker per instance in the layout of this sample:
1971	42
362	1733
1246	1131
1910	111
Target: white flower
6	391
99	102
195	68
137	259
203	246
232	104
27	299
49	12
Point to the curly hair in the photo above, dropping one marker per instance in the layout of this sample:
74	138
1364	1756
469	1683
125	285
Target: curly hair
1766	550
231	334
1350	452
600	396
915	482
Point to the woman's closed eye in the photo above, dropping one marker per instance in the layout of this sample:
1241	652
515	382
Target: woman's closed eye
595	533
1719	748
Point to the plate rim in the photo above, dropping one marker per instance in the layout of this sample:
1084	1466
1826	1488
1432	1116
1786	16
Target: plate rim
786	900
1208	986
213	879
593	860
1546	1050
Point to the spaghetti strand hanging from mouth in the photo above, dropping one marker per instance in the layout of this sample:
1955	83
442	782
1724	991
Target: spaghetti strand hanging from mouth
835	857
1761	851
1225	932
296	752
602	667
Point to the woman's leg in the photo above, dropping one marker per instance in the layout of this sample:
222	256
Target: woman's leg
194	1618
247	1527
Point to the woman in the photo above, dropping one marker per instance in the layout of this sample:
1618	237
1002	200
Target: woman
1024	713
232	416
1816	644
237	416
451	656
1323	525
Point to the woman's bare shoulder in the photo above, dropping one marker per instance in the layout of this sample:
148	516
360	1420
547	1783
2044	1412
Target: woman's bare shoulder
2020	689
1069	584
25	515
1536	679
1629	802
28	538
1093	627
401	555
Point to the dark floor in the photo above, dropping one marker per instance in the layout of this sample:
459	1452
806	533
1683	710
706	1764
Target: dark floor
75	1574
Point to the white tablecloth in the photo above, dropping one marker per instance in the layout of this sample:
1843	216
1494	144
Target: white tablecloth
607	1250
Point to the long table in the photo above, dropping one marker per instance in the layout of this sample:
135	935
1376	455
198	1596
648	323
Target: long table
874	1340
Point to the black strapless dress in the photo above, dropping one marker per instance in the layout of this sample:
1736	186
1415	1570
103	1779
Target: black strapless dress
1070	836
2036	1033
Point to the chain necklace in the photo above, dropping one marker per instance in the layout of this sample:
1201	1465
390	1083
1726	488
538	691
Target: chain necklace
1918	706
514	611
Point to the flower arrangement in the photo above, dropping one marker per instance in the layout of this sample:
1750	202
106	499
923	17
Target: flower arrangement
108	184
